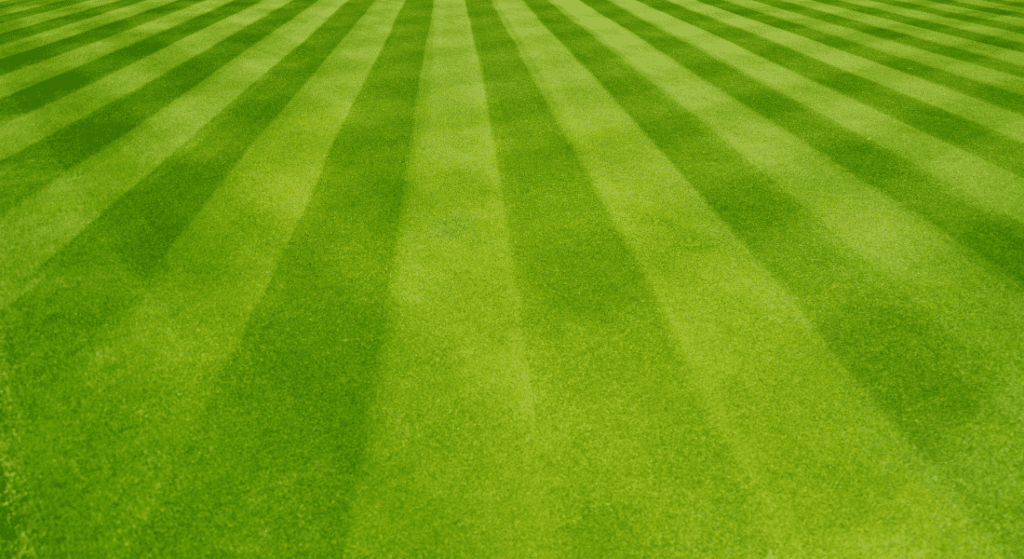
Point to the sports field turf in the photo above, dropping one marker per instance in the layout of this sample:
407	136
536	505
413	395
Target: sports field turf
512	278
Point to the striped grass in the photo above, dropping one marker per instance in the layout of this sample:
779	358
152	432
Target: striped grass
512	278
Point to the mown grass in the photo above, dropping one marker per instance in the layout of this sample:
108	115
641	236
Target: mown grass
721	278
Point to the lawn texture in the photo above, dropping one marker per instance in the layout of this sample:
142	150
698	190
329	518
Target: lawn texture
512	278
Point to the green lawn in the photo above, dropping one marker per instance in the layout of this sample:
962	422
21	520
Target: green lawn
512	278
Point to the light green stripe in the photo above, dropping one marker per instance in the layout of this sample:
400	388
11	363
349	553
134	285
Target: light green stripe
62	32
959	67
952	286
633	457
52	14
988	186
936	36
29	233
753	352
11	9
455	407
30	75
28	129
141	396
866	220
995	118
950	19
979	10
454	415
984	33
1003	25
167	348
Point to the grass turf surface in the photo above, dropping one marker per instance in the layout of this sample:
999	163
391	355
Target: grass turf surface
512	278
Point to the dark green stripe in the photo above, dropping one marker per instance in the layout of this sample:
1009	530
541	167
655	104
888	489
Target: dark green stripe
94	278
50	90
998	238
899	37
1010	3
993	94
54	23
916	372
1018	13
38	54
8	5
293	402
930	25
40	7
986	22
958	131
596	329
37	165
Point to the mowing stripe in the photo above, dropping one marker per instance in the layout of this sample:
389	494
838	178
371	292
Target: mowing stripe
974	443
931	25
24	131
781	396
126	244
76	8
910	39
988	8
9	12
958	15
958	131
286	428
28	76
40	163
544	278
1011	3
149	376
48	91
454	425
889	343
602	357
891	36
932	35
29	235
993	190
998	96
869	232
995	236
13	6
110	9
42	47
980	311
922	252
965	108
